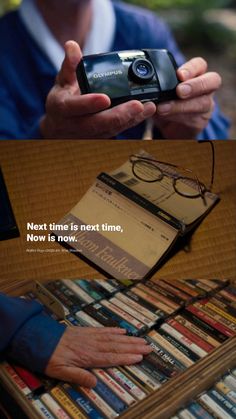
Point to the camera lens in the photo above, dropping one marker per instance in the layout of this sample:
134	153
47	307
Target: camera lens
141	71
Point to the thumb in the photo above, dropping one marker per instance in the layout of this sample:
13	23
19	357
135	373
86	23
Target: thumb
76	375
73	55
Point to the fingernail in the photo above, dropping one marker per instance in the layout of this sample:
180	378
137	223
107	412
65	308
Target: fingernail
72	55
149	110
137	358
120	330
184	73
147	349
164	108
185	89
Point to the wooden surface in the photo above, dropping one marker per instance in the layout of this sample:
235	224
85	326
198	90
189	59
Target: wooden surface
45	179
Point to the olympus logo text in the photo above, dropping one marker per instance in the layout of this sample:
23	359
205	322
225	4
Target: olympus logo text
107	74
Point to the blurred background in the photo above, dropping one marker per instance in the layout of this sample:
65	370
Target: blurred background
206	28
201	27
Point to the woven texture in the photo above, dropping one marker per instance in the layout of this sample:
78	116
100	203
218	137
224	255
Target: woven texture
45	179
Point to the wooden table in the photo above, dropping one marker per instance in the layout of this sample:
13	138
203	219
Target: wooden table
45	179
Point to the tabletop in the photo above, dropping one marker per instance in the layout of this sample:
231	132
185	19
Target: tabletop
45	179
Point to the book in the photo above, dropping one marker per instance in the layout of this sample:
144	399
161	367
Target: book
126	226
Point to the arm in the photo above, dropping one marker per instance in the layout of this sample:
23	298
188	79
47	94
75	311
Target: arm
27	335
43	345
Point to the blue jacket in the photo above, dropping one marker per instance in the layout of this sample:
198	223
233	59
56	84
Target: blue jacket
26	74
26	334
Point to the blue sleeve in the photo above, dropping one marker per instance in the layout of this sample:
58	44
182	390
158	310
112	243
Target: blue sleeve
27	335
12	125
9	116
218	127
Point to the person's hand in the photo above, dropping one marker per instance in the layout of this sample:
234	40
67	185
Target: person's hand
70	115
89	347
186	118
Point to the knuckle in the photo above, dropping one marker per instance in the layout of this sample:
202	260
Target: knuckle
203	63
61	105
135	120
86	380
55	103
206	103
118	122
112	358
205	118
202	85
190	66
181	108
115	349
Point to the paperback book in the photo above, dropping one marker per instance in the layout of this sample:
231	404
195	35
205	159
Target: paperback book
151	203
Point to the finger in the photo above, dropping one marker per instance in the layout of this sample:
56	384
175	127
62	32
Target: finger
203	104
75	375
73	55
87	104
192	68
123	348
186	119
109	123
189	120
99	330
103	360
75	105
121	339
202	85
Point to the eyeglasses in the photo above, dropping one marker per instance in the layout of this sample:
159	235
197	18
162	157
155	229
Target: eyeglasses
150	170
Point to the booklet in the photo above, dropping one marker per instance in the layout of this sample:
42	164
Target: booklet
146	218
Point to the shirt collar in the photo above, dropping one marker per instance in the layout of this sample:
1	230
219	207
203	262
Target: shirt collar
100	38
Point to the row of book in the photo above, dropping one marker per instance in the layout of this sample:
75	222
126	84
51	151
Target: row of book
217	402
183	321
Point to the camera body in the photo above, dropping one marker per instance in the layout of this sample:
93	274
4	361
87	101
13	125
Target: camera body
144	75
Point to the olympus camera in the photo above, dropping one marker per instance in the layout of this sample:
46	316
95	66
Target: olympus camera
144	75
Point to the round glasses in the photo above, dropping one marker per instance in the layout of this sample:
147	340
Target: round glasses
185	183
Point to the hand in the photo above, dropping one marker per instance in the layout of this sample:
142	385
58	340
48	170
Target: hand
89	347
186	118
72	115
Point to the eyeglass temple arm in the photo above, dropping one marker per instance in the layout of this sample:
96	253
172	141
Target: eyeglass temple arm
139	157
212	161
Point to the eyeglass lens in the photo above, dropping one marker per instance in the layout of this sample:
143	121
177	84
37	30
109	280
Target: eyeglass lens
150	172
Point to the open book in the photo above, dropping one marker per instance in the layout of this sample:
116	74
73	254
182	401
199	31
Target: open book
150	217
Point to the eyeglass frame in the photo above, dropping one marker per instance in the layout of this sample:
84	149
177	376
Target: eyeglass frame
201	186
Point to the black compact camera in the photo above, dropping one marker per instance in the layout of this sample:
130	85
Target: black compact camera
145	75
